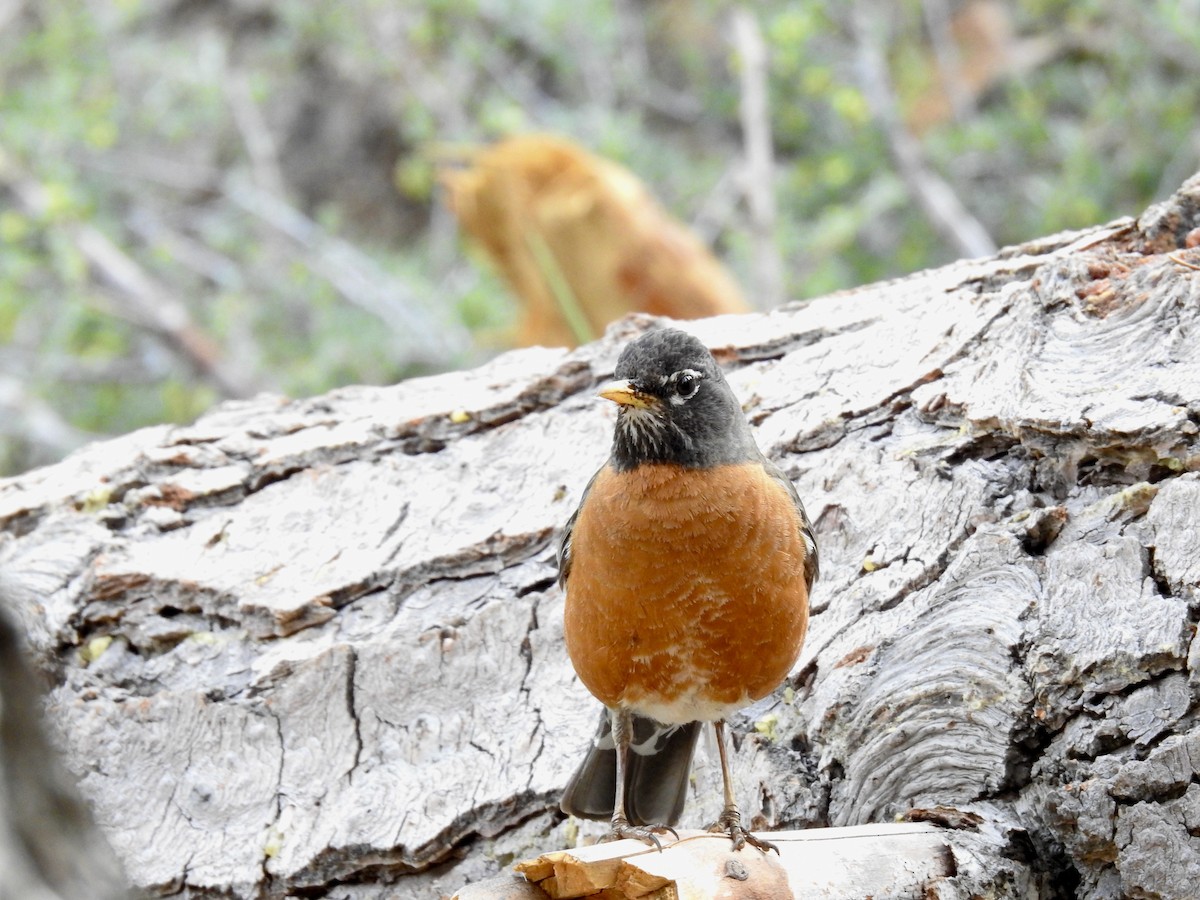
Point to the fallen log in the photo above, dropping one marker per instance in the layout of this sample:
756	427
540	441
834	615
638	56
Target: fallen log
313	647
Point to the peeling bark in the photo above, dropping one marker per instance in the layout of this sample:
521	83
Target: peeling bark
314	647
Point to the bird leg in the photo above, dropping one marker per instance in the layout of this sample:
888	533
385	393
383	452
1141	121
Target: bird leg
730	821
622	730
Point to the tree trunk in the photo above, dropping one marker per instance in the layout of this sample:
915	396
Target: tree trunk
313	648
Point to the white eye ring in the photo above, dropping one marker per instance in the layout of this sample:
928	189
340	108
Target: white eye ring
687	382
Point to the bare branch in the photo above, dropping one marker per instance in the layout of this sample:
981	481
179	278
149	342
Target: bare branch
945	51
424	338
942	206
33	422
9	10
260	143
137	296
638	78
760	164
203	260
718	205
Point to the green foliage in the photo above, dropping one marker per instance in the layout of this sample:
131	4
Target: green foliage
138	119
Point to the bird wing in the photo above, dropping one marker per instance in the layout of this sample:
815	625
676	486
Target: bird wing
564	545
812	563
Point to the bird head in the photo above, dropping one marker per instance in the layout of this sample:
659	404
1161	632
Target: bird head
675	405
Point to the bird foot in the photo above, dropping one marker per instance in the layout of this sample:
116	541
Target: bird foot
647	834
730	823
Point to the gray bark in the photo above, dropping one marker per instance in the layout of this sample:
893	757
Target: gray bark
315	647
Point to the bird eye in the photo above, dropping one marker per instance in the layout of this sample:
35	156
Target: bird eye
687	383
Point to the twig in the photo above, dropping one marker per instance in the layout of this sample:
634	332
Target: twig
9	10
260	143
188	178
638	79
945	211
144	301
138	297
356	278
945	52
30	420
1179	166
202	259
139	369
718	205
441	90
760	164
1182	262
424	340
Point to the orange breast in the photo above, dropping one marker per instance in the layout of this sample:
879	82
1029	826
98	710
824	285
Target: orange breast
686	597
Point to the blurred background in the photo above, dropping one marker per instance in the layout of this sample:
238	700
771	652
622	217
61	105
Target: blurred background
203	199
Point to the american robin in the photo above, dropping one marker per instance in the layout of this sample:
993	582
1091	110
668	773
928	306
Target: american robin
687	569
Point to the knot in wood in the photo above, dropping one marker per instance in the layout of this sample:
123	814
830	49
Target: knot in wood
736	870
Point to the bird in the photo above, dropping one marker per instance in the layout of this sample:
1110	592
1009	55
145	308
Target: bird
686	570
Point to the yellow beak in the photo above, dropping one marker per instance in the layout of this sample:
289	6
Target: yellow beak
625	394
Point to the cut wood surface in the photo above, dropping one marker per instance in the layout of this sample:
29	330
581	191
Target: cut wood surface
312	648
860	861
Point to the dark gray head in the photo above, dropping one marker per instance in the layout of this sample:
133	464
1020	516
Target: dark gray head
675	405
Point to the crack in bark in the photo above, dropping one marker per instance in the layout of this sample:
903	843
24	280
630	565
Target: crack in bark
267	877
770	351
524	690
352	709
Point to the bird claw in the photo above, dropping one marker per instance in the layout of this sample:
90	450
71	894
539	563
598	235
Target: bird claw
730	823
647	834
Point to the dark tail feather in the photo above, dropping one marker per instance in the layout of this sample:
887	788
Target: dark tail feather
660	761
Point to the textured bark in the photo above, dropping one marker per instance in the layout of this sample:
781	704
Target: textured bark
317	643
